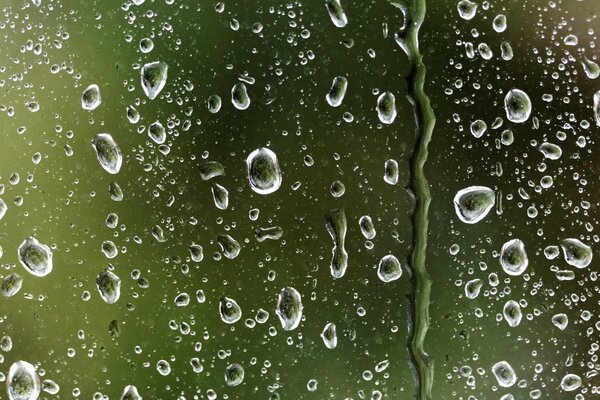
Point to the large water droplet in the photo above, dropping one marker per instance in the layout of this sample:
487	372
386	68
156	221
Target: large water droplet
220	196
472	288
550	151
472	204
11	284
107	152
35	257
389	268
386	108
90	99
466	9
229	310
561	321
336	13
517	106
570	382
157	132
504	373
289	308
234	374
512	313
230	247
366	227
337	92
109	286
576	253
329	336
154	78
335	221
264	172
239	96
513	258
22	382
391	172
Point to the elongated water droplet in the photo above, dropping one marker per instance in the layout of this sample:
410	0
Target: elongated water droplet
596	107
336	13
229	310
517	106
366	227
263	170
220	196
234	374
239	96
512	313
130	393
576	253
392	172
472	288
389	268
115	192
335	221
504	373
11	284
3	208
329	336
22	382
229	246
289	308
472	204
157	132
35	257
90	99
107	152
570	382
513	257
271	233
109	286
337	92
211	169
550	151
154	78
386	108
591	69
50	387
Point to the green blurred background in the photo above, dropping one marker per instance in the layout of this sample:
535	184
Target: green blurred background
53	52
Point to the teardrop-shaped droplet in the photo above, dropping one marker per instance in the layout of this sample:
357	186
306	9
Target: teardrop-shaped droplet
154	78
234	375
386	108
561	321
472	204
591	69
329	336
115	192
35	257
22	382
550	151
289	308
229	310
391	172
130	393
229	246
157	132
90	99
389	268
133	115
336	13
513	257
576	253
109	286
517	106
570	382
239	96
512	313
220	196
107	152
367	227
50	387
337	92
264	172
472	288
504	373
336	224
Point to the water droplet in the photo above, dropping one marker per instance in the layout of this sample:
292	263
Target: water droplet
196	253
109	249
146	45
154	78
130	393
366	227
512	313
115	192
11	284
336	13
560	321
264	172
50	387
550	151
22	382
90	99
478	128
229	310
220	196
551	252
213	103
337	92
329	336
472	288
157	132
576	253
35	257
109	286
517	106
337	189
386	108
107	152
504	373
596	107
335	221
211	169
472	204
466	9
499	23
3	208
513	258
392	172
229	246
289	308
239	96
389	268
271	233
591	69
163	367
570	382
234	374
